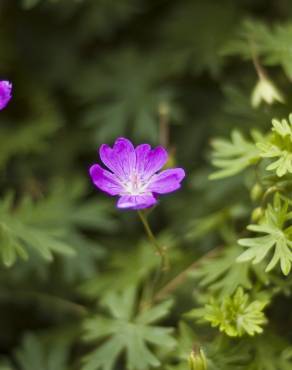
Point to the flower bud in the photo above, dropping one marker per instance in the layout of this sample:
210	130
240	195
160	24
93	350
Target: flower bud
265	91
257	214
163	109
256	192
197	360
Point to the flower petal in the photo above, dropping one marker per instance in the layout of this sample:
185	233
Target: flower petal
121	159
150	161
166	181
136	201
142	152
105	180
108	157
125	154
5	93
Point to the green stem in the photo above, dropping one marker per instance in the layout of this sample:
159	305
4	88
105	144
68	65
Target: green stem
159	250
179	279
257	65
271	190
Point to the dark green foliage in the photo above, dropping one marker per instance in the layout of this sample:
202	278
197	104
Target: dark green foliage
80	283
33	354
128	332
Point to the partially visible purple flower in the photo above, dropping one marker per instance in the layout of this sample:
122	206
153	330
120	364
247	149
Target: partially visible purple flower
133	174
5	93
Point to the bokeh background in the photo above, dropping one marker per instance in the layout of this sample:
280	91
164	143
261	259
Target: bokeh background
85	72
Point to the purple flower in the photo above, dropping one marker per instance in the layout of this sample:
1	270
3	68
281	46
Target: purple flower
133	174
5	93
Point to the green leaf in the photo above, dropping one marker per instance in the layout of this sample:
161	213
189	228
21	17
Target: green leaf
222	274
279	146
271	44
28	4
18	233
197	52
127	332
231	157
221	352
270	352
127	93
142	257
84	264
35	355
31	135
234	315
5	365
65	206
51	225
278	238
104	17
202	226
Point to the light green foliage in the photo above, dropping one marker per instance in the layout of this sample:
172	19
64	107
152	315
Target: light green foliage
278	237
233	156
223	275
234	315
274	223
127	331
279	146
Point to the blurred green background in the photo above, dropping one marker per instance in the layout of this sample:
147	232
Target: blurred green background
84	73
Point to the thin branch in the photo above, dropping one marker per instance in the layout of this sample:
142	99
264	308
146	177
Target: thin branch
179	279
257	65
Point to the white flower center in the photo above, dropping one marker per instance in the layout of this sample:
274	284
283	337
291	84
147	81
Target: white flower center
135	185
